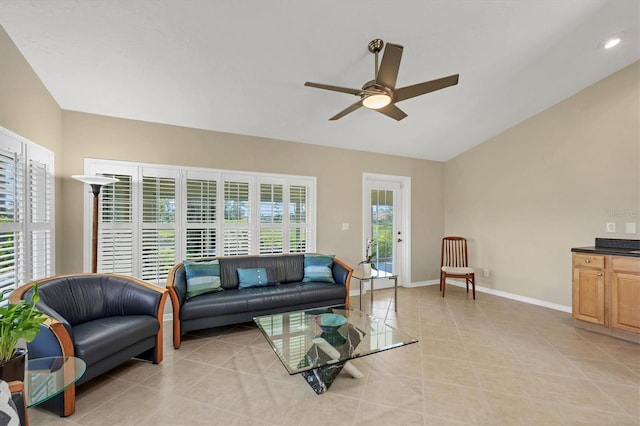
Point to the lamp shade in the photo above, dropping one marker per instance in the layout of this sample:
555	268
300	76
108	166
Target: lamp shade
95	180
376	101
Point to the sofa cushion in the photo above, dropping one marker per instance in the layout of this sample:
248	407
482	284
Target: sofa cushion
289	268
82	298
211	304
317	268
256	277
99	339
312	292
202	277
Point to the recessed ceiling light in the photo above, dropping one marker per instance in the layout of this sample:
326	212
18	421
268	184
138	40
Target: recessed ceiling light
612	42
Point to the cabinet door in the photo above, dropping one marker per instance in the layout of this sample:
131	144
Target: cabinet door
625	301
588	295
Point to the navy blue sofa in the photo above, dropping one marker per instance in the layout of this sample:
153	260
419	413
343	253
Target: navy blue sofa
237	305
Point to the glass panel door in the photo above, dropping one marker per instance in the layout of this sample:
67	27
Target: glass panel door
382	229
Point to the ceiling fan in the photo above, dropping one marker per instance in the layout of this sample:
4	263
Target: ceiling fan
380	94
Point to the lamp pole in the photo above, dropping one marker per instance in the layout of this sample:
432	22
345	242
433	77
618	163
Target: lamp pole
96	183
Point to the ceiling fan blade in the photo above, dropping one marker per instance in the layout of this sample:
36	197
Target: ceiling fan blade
408	92
347	110
356	92
392	111
388	71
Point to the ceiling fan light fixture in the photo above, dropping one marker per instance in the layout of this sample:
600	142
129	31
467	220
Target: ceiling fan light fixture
377	101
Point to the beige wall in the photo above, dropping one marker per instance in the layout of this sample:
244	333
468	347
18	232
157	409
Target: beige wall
338	172
27	108
524	198
528	195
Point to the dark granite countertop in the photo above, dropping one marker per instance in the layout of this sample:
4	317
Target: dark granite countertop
611	246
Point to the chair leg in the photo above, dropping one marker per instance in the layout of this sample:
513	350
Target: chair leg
466	280
443	282
473	285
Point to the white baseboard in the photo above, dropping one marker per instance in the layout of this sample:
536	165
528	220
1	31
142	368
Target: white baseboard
479	289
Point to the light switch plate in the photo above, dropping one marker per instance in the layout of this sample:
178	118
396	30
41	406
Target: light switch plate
345	226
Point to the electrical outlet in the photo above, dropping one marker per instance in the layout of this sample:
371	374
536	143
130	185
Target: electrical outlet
486	273
611	227
630	228
345	226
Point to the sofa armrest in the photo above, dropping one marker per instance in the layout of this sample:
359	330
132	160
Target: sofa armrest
177	287
342	275
55	340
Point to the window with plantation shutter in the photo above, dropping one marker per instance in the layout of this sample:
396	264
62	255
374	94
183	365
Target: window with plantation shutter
41	230
300	222
115	230
26	211
271	218
201	218
158	226
237	218
158	215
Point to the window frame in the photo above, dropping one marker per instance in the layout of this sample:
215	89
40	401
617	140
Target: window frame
182	175
34	211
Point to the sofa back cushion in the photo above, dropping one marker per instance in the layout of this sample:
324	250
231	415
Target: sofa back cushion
89	297
289	268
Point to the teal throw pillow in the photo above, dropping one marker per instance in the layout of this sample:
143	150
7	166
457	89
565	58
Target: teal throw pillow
202	277
317	268
256	277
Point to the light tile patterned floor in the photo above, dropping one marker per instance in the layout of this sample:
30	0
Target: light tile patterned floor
492	361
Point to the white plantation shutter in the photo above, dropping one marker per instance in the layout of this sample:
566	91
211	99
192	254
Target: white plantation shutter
41	232
157	215
26	211
11	219
237	218
271	218
115	230
201	218
158	226
300	219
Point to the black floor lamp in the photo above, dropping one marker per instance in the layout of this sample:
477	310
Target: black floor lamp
96	183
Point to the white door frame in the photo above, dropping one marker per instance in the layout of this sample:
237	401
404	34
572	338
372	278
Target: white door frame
404	250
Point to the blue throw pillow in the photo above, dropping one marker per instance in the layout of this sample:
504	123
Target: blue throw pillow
256	277
317	268
202	277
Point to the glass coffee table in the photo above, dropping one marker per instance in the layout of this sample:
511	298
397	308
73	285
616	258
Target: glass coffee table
45	378
319	355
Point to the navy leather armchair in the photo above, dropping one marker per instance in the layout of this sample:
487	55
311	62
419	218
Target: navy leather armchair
103	319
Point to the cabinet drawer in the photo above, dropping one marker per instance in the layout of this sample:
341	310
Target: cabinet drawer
588	261
627	264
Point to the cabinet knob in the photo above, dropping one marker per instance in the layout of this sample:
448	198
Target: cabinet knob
599	274
587	261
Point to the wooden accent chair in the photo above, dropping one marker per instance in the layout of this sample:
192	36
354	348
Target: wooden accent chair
454	263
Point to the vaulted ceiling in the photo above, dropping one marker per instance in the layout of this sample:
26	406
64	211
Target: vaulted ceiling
240	66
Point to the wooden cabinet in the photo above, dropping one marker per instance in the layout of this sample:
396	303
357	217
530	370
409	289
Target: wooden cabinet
606	294
625	293
588	288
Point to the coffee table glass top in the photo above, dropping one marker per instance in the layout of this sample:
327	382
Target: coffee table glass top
45	378
301	345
